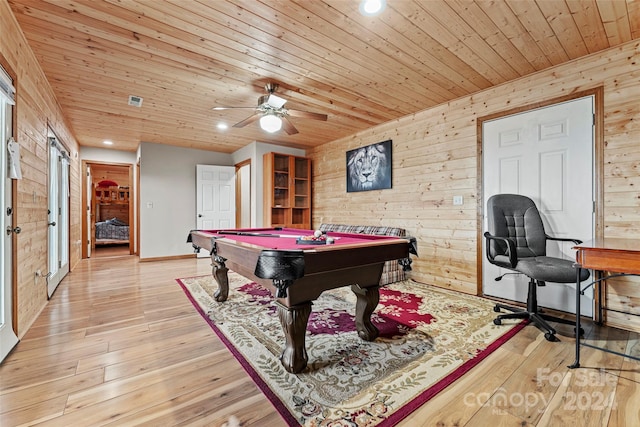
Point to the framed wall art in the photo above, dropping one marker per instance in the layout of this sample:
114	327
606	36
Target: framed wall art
369	168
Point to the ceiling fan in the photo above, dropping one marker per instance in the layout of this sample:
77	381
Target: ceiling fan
272	114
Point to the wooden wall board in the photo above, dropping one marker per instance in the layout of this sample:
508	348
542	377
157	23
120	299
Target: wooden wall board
36	110
435	157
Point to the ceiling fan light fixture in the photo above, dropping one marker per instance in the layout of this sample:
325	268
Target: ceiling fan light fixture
270	123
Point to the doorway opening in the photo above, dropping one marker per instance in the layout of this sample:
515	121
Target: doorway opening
243	194
108	226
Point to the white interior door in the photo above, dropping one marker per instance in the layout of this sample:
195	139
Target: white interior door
8	338
216	198
547	155
58	225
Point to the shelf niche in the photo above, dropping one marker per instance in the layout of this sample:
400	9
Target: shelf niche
287	191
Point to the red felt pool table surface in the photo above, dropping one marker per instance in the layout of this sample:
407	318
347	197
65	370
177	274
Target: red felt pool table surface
286	238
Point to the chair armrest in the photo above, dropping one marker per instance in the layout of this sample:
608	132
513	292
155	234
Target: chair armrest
511	251
561	239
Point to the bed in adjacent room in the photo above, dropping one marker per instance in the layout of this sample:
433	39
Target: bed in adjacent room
112	231
111	213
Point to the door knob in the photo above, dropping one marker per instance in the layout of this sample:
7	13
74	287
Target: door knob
199	215
52	223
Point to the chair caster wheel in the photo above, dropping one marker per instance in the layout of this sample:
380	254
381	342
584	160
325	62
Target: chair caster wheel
581	332
497	321
496	309
551	337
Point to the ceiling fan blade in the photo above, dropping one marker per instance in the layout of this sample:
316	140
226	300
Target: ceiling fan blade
248	120
307	115
288	127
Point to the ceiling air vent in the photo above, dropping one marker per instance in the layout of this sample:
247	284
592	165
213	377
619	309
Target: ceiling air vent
136	101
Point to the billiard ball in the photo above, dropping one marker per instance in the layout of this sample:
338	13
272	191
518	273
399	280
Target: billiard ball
330	240
317	233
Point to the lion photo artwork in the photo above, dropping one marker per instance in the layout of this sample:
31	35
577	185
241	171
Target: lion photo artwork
369	168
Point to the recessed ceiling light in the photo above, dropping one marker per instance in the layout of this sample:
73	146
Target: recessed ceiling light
222	126
372	7
107	142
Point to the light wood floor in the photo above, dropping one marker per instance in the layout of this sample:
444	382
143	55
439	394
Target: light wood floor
119	344
101	251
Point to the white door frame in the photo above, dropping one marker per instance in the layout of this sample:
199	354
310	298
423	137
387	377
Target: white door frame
598	94
88	210
243	194
8	336
58	219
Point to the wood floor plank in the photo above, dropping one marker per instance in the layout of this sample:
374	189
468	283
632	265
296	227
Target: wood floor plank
58	328
625	410
44	410
528	390
19	376
154	349
248	406
150	361
40	343
112	400
59	350
190	407
36	393
159	333
489	415
470	393
581	401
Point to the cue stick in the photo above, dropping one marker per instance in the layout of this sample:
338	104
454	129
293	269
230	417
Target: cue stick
244	233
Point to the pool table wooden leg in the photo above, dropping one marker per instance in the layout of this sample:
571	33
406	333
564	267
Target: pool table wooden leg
294	324
367	301
219	271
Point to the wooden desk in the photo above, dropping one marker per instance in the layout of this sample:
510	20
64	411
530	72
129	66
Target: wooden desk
616	257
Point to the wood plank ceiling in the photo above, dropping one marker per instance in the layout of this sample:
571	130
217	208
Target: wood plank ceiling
184	57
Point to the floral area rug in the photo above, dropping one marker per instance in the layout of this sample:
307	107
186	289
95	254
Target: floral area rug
429	337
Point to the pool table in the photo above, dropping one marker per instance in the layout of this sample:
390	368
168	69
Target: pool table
298	271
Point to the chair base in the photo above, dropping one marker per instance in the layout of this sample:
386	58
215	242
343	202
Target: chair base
533	314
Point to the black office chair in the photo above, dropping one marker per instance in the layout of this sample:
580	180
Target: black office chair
516	240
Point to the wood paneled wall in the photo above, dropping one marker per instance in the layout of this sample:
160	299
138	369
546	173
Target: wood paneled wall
118	174
435	157
36	110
